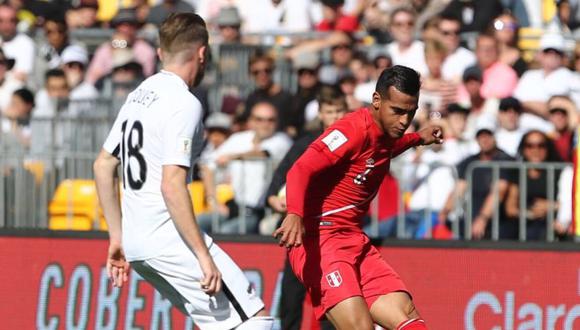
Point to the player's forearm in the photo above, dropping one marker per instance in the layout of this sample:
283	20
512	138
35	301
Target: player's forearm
107	184
297	182
310	164
180	208
207	178
407	141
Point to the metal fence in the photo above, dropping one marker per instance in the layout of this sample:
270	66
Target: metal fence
29	183
521	169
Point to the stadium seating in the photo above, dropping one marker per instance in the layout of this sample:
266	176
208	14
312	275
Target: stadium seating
75	206
224	193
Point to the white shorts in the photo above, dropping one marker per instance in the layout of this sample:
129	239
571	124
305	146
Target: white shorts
176	274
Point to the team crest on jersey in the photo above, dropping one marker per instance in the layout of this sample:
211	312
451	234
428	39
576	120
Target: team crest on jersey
334	140
334	279
362	177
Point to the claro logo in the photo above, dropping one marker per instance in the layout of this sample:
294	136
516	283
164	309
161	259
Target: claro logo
528	316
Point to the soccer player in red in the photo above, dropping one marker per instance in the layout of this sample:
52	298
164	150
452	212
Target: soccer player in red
329	189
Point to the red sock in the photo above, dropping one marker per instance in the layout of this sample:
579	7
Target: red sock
412	324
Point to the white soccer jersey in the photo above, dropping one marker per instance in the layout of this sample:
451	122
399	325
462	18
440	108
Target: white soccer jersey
159	124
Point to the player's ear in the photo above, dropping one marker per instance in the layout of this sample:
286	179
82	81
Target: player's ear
202	53
160	54
376	102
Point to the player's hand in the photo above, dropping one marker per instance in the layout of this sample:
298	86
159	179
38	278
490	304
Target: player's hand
117	266
431	134
290	232
212	278
478	228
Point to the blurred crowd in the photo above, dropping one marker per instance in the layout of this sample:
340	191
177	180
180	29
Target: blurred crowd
282	68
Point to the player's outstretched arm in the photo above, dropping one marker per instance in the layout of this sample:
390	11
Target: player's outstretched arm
107	183
178	203
426	136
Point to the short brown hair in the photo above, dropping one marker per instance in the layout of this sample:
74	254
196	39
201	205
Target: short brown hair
180	30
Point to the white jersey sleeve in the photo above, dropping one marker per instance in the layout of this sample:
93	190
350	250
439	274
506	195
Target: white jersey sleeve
112	144
181	137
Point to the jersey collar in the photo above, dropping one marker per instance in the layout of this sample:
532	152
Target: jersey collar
169	73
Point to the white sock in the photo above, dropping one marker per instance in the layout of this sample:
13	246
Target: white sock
257	323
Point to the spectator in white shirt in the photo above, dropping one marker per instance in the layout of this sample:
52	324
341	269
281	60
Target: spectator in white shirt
405	50
8	84
74	63
458	58
246	155
537	86
509	133
15	120
436	90
275	15
16	45
364	91
481	108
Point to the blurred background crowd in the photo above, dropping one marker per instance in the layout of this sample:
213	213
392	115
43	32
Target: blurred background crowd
502	77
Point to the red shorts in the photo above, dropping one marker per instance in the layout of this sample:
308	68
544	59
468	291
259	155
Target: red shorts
337	266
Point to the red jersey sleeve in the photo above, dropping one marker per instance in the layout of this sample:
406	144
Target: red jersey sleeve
341	142
405	142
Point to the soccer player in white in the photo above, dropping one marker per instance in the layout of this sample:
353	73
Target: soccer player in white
154	138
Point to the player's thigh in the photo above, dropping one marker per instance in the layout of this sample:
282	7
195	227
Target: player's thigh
177	275
392	309
377	276
236	285
351	313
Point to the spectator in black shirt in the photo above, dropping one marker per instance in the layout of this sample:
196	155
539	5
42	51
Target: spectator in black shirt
306	66
481	193
534	148
475	15
332	106
262	69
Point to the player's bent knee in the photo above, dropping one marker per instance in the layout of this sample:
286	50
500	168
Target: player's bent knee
353	321
392	309
257	323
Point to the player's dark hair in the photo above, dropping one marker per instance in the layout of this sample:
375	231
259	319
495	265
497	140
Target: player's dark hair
404	79
180	30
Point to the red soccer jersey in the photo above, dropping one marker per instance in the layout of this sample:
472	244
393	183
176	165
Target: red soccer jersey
332	184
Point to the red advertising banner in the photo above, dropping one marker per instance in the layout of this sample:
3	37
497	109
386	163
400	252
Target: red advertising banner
60	283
